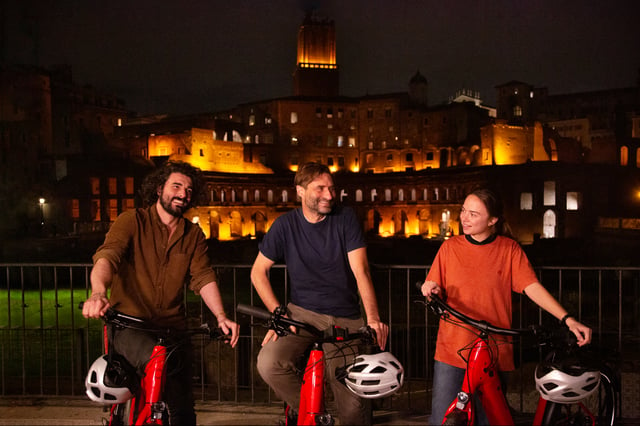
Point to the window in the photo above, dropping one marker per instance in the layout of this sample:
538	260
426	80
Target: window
270	196
329	161
113	209
245	196
329	112
340	141
409	157
256	196
549	224
252	120
341	161
201	152
294	140
549	193
573	200
400	195
374	194
369	113
517	111
75	209
387	113
526	201
95	185
319	112
95	210
127	204
352	142
294	117
430	156
285	196
389	158
359	195
624	156
387	195
370	158
113	186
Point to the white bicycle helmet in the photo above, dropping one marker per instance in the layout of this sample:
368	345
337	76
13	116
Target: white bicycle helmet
565	385
375	376
110	383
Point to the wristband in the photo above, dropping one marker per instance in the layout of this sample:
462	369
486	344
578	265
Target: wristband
563	321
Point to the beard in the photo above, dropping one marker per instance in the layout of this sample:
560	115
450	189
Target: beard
173	210
323	209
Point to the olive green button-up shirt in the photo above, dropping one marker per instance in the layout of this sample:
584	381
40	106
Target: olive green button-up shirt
151	270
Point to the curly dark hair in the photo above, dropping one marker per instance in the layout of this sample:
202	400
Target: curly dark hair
156	180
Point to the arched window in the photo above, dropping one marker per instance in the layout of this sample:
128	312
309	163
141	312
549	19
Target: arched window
256	195
285	196
359	195
549	224
624	156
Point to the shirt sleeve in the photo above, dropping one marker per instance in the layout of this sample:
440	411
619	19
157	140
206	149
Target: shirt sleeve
117	241
201	269
273	243
353	231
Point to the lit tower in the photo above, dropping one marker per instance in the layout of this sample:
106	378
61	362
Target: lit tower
316	71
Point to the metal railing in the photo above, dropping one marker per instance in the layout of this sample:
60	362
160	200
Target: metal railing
46	346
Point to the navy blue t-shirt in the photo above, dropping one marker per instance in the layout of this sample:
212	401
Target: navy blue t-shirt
316	259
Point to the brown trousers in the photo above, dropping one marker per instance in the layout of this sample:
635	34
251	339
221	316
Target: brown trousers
277	362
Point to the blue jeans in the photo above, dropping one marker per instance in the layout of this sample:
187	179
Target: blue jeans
447	382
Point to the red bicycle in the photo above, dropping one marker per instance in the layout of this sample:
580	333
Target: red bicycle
112	380
369	376
576	387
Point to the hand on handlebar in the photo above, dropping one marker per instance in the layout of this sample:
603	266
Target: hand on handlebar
582	332
95	306
381	332
272	335
430	288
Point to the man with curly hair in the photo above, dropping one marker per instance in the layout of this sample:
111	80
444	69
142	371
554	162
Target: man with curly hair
147	257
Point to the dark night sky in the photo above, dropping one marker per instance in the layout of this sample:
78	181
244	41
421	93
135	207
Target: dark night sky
205	55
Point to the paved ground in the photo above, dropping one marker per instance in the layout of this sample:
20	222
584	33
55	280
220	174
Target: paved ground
83	412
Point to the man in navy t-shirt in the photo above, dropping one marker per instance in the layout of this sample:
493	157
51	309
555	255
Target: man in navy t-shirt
325	252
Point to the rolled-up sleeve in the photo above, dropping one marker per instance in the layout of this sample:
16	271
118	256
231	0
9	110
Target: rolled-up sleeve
201	269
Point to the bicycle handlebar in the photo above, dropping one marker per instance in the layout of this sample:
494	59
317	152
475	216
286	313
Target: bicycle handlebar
279	323
557	337
441	308
120	319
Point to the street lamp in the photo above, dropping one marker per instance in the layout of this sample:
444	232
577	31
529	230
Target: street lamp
41	202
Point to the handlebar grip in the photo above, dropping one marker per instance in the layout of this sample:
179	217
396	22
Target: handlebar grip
254	311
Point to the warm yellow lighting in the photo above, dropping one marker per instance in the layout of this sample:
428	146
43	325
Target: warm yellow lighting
41	201
333	169
293	167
